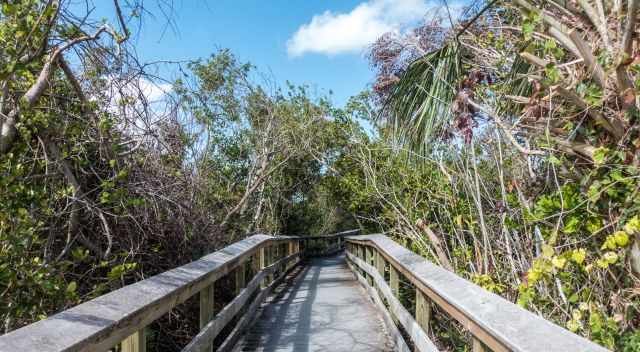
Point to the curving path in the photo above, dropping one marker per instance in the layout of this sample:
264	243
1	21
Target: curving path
323	308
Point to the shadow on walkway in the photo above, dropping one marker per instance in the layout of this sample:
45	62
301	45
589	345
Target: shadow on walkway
321	309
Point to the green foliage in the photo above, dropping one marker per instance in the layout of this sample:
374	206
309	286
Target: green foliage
487	282
630	342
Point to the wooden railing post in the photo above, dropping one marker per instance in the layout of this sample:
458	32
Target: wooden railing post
207	307
423	310
368	258
137	342
262	263
273	250
275	255
289	252
394	284
267	262
296	249
240	277
394	281
380	264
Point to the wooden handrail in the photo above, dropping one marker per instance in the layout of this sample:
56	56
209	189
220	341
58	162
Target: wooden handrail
332	243
121	316
333	235
211	330
495	323
105	321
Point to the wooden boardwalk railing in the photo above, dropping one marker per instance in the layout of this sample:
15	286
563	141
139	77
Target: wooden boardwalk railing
495	323
119	318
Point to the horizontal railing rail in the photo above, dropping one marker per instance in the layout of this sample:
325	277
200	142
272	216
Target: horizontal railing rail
120	317
494	323
315	246
210	331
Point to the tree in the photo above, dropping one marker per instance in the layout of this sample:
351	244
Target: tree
530	112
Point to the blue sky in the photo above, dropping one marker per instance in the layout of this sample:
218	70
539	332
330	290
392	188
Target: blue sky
319	43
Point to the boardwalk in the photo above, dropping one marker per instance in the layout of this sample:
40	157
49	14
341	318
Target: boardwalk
323	309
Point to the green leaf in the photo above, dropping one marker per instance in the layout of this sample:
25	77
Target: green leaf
558	262
579	255
71	287
527	29
8	9
621	238
600	155
572	224
594	191
632	226
555	161
573	325
553	74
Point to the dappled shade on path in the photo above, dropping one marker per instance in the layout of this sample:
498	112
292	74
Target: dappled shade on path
322	309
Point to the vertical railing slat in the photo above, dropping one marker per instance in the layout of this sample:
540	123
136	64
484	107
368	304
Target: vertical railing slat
207	307
394	283
137	342
423	311
394	280
368	259
240	277
262	260
380	266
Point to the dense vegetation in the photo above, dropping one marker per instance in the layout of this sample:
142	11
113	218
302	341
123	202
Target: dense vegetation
505	150
519	133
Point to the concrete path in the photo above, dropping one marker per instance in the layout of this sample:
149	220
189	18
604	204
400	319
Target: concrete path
322	309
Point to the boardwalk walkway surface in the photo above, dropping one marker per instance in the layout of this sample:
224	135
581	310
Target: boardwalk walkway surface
322	309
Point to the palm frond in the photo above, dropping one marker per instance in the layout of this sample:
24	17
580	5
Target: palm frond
417	109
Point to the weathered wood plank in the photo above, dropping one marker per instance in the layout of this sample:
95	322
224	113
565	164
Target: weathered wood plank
209	332
394	281
418	336
137	342
232	339
498	323
399	343
268	251
109	319
207	300
240	277
103	322
322	309
262	260
368	257
380	263
290	251
423	311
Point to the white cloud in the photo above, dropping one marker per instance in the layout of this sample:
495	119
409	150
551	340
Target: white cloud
139	102
335	33
154	92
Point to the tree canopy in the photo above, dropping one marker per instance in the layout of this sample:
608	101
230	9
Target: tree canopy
505	148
